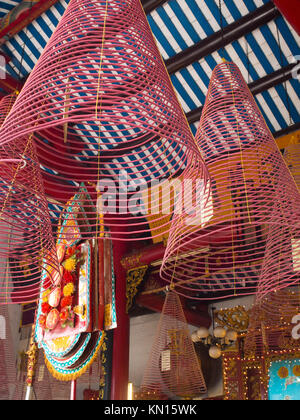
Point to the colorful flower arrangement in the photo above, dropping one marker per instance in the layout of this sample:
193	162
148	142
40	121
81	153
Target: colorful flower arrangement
57	305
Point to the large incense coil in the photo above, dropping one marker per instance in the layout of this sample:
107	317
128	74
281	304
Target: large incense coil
271	324
253	201
173	368
6	104
25	226
99	104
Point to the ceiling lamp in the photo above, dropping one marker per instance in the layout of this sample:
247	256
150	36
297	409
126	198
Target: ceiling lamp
219	340
249	225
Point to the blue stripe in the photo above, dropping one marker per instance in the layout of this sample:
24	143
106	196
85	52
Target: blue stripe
161	38
200	17
172	28
180	89
184	21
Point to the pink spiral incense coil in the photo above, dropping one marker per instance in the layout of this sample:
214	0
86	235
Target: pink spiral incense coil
271	324
6	104
102	111
173	368
25	226
247	233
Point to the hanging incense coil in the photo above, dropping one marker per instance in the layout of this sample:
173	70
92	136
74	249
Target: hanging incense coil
173	367
271	324
25	226
102	111
6	104
247	235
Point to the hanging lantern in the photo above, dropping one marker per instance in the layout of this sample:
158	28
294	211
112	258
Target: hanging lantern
247	234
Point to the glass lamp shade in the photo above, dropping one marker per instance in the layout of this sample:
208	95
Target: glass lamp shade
215	352
231	335
219	332
202	333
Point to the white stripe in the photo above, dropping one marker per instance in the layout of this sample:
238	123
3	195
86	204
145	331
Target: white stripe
178	25
169	36
187	88
282	106
215	24
268	112
193	20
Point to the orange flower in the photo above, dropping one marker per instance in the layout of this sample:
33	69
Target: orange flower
66	301
70	264
69	289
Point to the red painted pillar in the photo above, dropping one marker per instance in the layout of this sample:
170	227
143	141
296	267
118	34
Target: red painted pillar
120	359
290	10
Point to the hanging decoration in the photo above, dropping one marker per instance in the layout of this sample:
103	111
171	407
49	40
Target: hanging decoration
6	104
101	109
80	303
173	368
253	201
25	226
271	324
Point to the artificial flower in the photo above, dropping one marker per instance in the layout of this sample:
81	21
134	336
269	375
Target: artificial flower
67	277
64	315
42	320
69	289
70	251
45	307
70	264
66	301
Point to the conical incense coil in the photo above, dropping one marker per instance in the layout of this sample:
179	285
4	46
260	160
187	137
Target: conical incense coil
173	368
25	226
6	104
218	249
273	324
102	110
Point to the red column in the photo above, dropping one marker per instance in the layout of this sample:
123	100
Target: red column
120	359
290	10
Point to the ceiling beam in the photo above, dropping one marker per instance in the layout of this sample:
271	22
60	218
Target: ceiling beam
258	86
150	5
285	131
24	19
198	317
220	39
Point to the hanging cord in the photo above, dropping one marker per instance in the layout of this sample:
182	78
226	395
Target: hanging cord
248	60
222	29
99	99
285	83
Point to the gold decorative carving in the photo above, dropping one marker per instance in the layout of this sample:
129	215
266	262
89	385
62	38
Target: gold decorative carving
236	318
32	355
131	262
134	278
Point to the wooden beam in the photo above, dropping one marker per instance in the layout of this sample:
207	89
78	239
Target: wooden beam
24	19
150	5
198	317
